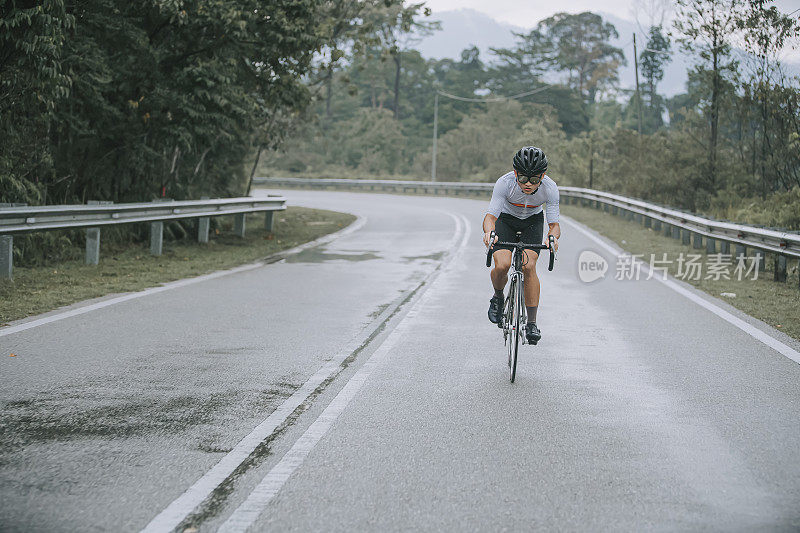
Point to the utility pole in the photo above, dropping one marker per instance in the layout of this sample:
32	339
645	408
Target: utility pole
638	94
435	132
591	158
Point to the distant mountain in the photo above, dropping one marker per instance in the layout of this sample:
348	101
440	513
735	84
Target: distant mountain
463	28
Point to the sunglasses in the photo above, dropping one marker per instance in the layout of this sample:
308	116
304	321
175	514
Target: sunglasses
525	179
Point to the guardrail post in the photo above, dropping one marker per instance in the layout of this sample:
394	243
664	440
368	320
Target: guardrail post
741	252
724	247
156	237
269	221
780	267
605	208
687	236
614	210
203	225
6	256
698	241
648	222
656	224
711	246
93	246
676	232
238	224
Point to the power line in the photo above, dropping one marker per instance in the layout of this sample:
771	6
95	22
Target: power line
497	99
658	51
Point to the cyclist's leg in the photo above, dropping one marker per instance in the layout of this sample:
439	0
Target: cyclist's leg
531	279
502	254
499	274
533	234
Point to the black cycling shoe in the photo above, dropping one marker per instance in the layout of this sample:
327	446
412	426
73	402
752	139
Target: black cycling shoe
532	333
495	304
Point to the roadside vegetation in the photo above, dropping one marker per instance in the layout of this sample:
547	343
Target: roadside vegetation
776	303
727	147
126	267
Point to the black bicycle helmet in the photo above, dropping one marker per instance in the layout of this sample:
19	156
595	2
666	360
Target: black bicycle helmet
530	161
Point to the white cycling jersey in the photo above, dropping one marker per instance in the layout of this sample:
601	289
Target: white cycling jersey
507	197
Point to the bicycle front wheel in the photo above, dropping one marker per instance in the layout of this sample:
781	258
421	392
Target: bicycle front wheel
514	331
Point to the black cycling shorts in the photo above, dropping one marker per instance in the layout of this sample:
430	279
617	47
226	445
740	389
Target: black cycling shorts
507	227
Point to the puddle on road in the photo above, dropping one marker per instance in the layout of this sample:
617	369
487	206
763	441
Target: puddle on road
65	418
380	309
48	421
430	257
316	255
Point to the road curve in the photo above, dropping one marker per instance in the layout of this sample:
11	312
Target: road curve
389	401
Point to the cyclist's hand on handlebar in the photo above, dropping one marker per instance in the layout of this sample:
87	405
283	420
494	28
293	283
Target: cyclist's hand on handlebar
489	237
555	242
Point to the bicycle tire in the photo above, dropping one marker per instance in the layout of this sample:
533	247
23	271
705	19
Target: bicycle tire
508	315
513	344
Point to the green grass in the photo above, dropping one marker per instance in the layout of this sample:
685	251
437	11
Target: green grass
132	268
777	304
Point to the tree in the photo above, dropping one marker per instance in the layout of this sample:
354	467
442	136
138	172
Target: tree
398	27
33	82
581	48
653	58
344	26
765	33
520	68
705	28
573	44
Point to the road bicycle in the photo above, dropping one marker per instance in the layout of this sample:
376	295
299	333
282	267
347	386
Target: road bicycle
514	316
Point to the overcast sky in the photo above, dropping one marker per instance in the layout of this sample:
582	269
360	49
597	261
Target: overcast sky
527	13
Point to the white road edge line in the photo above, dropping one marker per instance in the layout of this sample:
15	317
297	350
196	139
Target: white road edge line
186	503
751	330
355	226
248	512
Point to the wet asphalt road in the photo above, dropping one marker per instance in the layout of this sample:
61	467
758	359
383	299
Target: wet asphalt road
639	409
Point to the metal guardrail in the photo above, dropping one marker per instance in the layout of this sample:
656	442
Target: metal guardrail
20	219
694	230
404	187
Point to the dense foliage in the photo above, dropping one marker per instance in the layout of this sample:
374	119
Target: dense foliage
128	101
729	145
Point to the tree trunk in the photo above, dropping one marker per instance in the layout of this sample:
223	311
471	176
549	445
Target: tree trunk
253	170
396	85
329	92
715	88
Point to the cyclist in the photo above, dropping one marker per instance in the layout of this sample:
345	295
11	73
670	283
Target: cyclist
516	205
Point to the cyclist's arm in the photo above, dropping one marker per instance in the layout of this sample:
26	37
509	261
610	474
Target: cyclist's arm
553	213
555	231
495	207
488	226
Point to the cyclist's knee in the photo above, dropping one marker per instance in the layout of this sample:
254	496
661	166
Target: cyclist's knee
502	265
529	268
502	260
